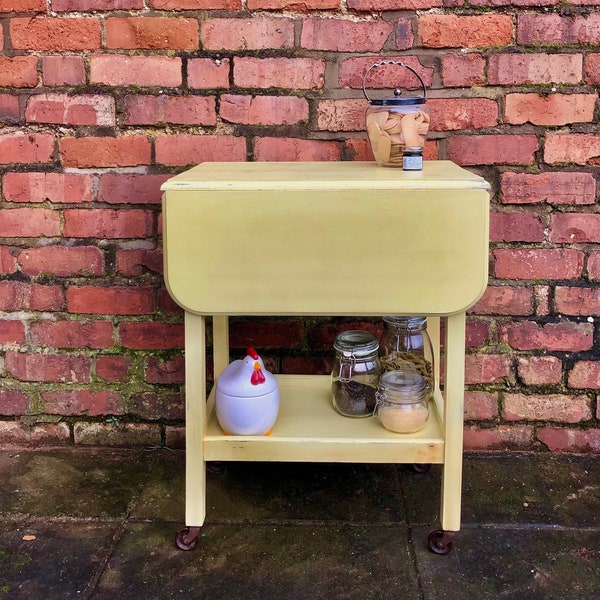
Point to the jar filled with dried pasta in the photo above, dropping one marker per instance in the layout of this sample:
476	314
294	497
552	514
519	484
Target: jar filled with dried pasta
397	122
406	345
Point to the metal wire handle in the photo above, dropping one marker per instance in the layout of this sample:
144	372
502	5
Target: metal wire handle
390	62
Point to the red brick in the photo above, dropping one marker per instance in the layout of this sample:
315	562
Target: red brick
302	5
47	187
26	148
539	370
593	266
481	406
21	6
52	33
560	408
48	367
247	34
186	110
121	151
503	437
113	368
85	109
463	70
165	371
574	227
358	149
15	295
197	4
478	31
515	226
555	109
552	187
105	223
15	434
486	368
83	5
341	115
117	300
577	301
539	264
551	30
578	148
592	69
585	374
18	71
62	261
292	73
272	333
151	336
504	300
208	73
294	149
156	33
404	34
137	261
518	69
175	437
477	334
377	5
11	332
144	71
351	72
29	222
263	110
462	113
181	150
570	440
130	435
152	406
10	111
72	334
341	35
13	402
8	263
542	299
129	188
63	70
565	337
493	149
83	402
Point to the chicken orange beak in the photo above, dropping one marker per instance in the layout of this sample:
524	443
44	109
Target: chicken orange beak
256	366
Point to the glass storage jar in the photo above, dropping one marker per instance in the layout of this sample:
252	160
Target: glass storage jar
355	373
405	345
402	401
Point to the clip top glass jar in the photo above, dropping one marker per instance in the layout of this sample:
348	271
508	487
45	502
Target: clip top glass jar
396	122
402	401
405	344
355	373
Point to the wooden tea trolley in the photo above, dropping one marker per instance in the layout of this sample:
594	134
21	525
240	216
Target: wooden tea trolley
324	238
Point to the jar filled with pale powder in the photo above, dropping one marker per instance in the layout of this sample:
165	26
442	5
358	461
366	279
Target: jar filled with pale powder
402	401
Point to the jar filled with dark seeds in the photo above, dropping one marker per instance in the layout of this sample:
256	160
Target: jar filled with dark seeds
355	373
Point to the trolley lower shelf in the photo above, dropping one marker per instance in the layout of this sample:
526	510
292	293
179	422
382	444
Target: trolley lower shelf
309	430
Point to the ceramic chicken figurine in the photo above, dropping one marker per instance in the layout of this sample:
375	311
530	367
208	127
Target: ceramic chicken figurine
247	397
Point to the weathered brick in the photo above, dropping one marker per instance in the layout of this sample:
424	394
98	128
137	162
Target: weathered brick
565	337
560	408
120	151
539	370
504	300
574	227
570	440
554	29
477	31
404	34
83	5
26	148
592	69
515	226
29	222
185	110
538	264
272	333
84	109
208	73
72	334
341	115
486	368
181	150
11	332
63	70
480	406
577	301
578	148
593	266
62	261
130	188
165	371
585	374
48	367
502	437
295	149
83	402
153	406
174	436
463	70
377	5
518	69
151	335
477	334
156	33
113	368
21	6
358	149
117	300
15	295
13	402
493	149
106	223
52	33
14	433
555	109
247	34
131	435
18	71
292	73
341	35
462	113
263	110
304	5
47	187
351	72
552	187
197	4
8	263
136	261
10	110
144	71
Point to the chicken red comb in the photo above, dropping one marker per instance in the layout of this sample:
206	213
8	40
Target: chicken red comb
252	353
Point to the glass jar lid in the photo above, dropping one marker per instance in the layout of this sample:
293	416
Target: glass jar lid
356	343
403	386
407	322
397	99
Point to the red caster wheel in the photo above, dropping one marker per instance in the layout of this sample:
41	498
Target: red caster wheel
440	541
186	538
421	467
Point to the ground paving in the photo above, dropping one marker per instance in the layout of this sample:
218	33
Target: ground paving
99	524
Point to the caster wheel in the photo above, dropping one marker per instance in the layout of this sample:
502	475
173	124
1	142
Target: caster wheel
421	467
186	538
440	541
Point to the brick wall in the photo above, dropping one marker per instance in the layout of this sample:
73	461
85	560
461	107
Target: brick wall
102	100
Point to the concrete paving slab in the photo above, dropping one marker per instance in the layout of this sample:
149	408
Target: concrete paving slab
297	562
513	564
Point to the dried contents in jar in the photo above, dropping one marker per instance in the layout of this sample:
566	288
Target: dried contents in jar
353	398
409	361
404	419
